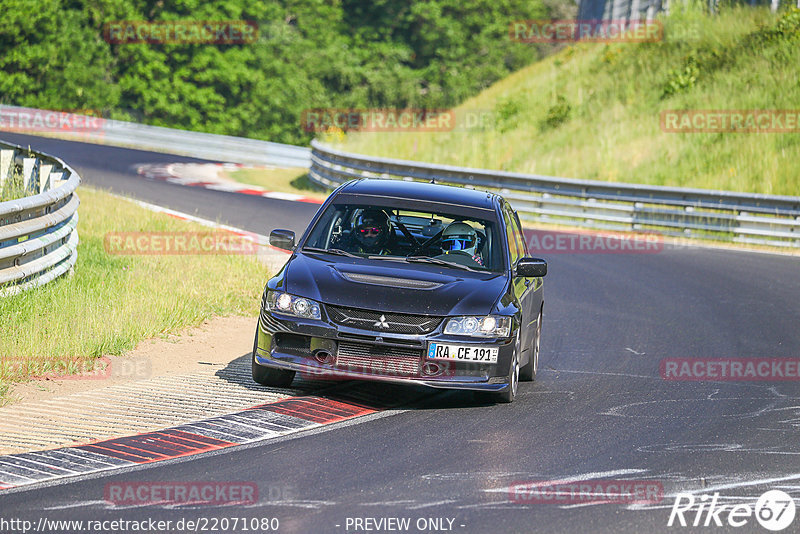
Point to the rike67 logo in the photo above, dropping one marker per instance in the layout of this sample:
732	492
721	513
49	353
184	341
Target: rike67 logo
774	510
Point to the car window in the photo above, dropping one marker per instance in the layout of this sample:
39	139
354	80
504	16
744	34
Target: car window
519	235
511	236
384	232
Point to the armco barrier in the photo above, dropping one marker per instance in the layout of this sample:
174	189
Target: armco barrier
38	235
686	213
152	138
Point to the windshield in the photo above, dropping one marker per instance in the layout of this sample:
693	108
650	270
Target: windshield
385	233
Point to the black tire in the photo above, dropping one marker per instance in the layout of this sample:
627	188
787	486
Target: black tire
509	394
267	376
528	373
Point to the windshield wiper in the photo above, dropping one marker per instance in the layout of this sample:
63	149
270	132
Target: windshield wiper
435	261
336	251
386	257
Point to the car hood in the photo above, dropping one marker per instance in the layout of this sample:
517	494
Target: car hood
385	285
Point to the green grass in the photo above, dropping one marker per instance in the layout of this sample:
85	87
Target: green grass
114	301
592	111
283	180
12	187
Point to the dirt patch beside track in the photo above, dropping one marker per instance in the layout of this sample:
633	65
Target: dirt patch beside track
201	372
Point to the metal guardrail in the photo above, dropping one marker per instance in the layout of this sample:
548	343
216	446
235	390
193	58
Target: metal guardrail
153	138
619	10
678	212
38	233
691	213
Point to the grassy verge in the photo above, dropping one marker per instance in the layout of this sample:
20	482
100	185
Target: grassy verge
592	111
289	180
114	301
12	187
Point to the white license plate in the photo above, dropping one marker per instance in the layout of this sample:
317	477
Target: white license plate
462	353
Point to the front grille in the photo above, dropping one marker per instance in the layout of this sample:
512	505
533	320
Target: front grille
394	323
378	360
382	338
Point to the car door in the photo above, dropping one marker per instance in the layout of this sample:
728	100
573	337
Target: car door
522	286
533	295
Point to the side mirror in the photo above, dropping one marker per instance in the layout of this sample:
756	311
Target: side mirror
531	267
282	239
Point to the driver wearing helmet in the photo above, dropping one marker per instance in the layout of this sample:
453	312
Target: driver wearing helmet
461	237
371	232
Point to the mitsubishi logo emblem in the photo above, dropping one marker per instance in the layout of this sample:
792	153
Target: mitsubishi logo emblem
381	323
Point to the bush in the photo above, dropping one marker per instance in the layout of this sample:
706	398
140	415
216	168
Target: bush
557	114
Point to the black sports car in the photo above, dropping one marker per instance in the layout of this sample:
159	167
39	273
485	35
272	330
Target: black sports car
406	282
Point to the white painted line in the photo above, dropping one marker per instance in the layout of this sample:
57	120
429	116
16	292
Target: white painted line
282	196
735	485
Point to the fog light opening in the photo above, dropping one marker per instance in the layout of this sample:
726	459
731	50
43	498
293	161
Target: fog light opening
323	356
432	369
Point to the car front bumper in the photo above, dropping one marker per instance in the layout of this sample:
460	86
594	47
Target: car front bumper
301	345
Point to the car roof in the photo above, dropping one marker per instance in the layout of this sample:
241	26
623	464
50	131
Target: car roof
422	191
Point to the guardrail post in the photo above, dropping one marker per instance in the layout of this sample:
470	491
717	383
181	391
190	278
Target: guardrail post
57	177
6	161
797	241
30	175
45	181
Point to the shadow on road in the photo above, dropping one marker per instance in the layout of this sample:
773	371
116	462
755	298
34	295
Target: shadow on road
376	395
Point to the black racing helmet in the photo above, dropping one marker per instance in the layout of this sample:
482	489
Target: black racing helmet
372	229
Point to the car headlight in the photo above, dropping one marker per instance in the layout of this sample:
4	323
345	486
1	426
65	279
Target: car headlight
280	302
489	326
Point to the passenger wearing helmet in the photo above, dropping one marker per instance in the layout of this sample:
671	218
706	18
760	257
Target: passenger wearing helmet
461	237
371	232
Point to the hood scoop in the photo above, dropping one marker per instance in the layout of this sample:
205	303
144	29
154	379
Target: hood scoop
391	281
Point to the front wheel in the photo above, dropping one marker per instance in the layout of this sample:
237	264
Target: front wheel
528	373
267	376
506	396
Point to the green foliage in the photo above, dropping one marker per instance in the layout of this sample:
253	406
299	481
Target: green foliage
683	79
557	114
310	54
507	111
595	111
12	188
785	32
776	42
50	57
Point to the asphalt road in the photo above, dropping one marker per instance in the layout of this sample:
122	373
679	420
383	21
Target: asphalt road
114	169
599	408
